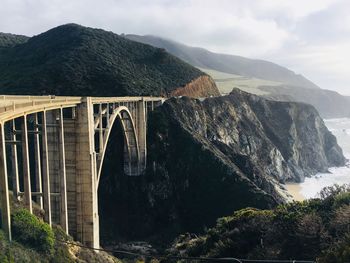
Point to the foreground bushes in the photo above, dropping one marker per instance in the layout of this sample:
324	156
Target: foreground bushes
317	229
32	232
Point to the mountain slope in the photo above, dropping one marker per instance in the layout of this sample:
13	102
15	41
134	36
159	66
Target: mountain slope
238	65
330	104
76	60
10	40
255	76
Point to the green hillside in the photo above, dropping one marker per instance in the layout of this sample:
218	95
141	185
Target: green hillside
10	40
76	60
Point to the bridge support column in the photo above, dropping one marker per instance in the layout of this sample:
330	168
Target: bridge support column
62	174
46	172
87	204
26	166
4	192
71	156
141	127
37	156
14	162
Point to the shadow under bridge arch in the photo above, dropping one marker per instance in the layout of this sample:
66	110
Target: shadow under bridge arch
132	164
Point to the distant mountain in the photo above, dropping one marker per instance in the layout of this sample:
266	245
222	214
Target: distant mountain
255	76
76	60
330	104
10	40
238	65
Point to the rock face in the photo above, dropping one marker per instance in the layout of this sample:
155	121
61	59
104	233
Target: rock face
203	86
213	156
209	158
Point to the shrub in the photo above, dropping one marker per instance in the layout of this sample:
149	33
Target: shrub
342	199
32	232
337	252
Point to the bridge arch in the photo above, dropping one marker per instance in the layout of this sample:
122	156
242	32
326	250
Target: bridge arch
131	146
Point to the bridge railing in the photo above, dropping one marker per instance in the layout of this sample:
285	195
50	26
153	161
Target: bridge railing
12	106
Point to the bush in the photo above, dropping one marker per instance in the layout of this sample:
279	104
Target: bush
341	199
32	232
337	252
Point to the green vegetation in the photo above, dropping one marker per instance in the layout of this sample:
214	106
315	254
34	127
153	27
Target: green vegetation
10	40
32	232
35	241
76	60
314	229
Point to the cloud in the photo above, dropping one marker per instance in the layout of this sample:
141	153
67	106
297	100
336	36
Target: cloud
309	36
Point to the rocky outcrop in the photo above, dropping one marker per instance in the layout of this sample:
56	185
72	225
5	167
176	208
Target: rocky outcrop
203	86
208	158
289	140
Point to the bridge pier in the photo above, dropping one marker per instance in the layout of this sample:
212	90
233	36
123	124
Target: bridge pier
86	190
37	157
141	127
26	166
46	170
4	192
57	168
71	171
14	162
62	174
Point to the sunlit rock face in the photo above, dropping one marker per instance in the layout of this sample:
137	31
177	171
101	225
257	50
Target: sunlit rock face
209	158
286	140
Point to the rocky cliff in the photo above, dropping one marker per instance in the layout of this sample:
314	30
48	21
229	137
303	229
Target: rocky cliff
222	153
209	158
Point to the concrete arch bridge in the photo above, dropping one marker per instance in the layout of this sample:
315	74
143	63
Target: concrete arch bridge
52	151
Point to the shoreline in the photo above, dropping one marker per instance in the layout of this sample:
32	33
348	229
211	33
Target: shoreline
294	189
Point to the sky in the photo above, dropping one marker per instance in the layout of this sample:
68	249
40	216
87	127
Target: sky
310	37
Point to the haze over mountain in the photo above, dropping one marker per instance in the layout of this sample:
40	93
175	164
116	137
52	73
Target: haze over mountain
77	60
255	76
238	65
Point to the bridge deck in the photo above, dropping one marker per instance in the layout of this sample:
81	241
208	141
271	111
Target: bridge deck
13	106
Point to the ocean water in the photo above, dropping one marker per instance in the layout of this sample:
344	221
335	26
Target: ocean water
338	175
